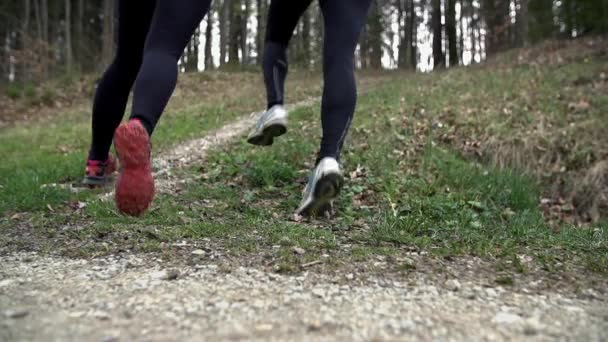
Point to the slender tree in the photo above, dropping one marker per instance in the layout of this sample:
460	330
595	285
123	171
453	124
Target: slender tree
68	35
79	33
496	17
305	38
412	33
450	28
260	17
402	23
461	19
522	23
108	31
224	25
234	30
244	30
375	35
209	42
437	28
473	24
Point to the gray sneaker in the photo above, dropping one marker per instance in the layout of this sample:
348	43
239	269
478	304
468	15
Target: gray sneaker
272	123
324	184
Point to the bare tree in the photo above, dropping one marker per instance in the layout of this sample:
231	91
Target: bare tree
108	32
450	28
260	17
235	28
68	35
437	28
412	33
375	30
209	42
243	32
224	18
306	27
522	22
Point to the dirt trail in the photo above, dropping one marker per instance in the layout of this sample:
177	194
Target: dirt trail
196	150
136	298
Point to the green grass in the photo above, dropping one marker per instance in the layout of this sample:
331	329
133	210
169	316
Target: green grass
432	200
43	154
410	183
38	155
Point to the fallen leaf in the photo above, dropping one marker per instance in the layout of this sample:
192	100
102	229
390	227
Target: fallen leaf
580	106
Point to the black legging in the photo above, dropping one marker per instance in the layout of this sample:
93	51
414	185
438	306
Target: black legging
152	35
343	20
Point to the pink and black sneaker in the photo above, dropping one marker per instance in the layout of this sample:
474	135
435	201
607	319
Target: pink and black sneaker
135	185
98	172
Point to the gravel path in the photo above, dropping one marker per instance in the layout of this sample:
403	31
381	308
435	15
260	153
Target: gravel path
45	298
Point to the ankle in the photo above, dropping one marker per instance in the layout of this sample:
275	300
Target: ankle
145	123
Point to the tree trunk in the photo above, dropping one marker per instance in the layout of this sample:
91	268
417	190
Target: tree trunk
482	50
317	40
44	12
473	30
224	30
450	21
496	16
259	42
79	33
26	17
522	22
461	20
306	38
68	35
438	57
413	34
209	42
38	19
364	47
23	40
191	53
244	32
235	28
375	35
402	22
108	32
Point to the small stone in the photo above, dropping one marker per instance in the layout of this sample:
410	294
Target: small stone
506	318
76	314
19	313
314	325
6	282
198	252
491	292
110	339
263	327
532	326
318	292
350	276
172	274
101	315
452	285
299	251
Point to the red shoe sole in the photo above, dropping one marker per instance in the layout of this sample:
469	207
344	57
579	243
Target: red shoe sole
134	185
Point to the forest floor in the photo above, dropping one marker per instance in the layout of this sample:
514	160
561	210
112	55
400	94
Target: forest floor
475	208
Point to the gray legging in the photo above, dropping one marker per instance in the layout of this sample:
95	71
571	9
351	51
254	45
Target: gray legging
343	20
152	35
